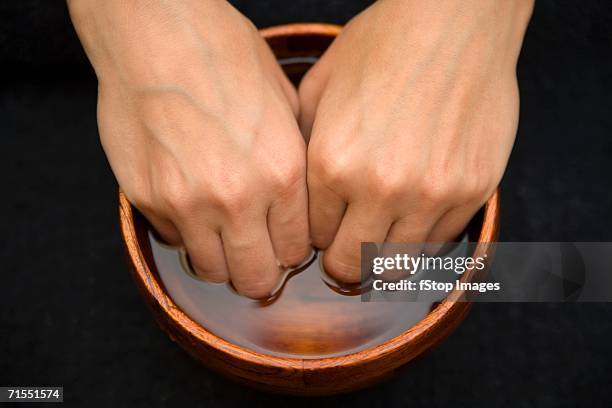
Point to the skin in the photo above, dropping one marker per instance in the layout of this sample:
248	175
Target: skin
199	125
412	114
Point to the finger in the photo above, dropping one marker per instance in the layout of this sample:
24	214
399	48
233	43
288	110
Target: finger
288	226
452	224
253	268
205	250
325	209
413	228
165	229
359	224
411	231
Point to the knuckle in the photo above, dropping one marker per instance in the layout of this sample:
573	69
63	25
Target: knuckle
477	187
385	184
293	254
287	176
329	167
234	202
435	190
176	197
341	270
230	196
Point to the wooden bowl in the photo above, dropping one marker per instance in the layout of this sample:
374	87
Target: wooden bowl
301	376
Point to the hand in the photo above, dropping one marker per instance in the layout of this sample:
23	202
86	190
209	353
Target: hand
412	114
199	125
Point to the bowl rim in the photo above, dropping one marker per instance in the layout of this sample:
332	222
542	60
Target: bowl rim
438	318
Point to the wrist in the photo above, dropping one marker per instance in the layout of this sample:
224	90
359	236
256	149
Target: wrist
141	41
456	27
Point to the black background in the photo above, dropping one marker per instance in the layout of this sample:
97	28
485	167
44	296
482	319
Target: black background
70	314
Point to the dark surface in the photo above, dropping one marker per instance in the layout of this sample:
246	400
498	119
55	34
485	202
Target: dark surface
71	316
